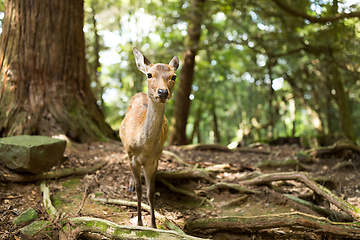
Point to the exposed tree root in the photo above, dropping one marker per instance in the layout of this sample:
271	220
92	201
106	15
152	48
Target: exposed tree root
353	211
14	177
203	147
287	163
223	185
158	216
76	226
252	150
218	168
332	215
338	146
119	232
176	157
235	202
295	221
192	173
186	193
47	201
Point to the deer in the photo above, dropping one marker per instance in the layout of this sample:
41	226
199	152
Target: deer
144	128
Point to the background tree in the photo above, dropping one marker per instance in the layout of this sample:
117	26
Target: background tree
44	86
182	101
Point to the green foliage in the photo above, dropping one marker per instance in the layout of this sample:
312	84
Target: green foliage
254	58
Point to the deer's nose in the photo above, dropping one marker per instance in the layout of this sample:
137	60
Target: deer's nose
163	93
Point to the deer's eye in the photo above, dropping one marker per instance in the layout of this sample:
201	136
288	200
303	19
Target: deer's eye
173	78
149	75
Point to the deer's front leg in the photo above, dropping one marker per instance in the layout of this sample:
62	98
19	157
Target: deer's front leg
136	171
150	175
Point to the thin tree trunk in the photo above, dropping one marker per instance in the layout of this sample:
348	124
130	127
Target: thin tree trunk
216	125
44	86
346	123
314	116
182	101
96	65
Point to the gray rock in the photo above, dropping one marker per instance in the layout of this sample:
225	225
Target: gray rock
31	154
27	216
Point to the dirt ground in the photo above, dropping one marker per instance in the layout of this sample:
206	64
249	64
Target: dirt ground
111	181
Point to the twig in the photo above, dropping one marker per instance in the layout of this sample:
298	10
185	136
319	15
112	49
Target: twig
90	185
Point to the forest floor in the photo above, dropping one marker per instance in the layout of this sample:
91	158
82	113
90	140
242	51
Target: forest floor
111	182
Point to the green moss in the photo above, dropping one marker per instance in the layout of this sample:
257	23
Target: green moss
121	231
148	234
71	183
35	227
56	201
98	193
29	215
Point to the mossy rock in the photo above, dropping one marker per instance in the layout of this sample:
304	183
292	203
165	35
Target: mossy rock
31	154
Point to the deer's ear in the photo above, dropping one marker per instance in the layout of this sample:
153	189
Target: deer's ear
174	62
142	63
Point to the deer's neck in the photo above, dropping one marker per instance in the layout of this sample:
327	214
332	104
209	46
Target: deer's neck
153	121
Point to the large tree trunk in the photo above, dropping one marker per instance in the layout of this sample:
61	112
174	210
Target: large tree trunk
44	86
182	101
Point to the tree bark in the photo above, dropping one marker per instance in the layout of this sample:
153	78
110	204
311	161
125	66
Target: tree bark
182	101
44	86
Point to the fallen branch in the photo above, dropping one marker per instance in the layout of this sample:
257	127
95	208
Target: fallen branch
353	211
158	216
14	177
117	232
294	221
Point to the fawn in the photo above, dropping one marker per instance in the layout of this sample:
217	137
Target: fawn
144	128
